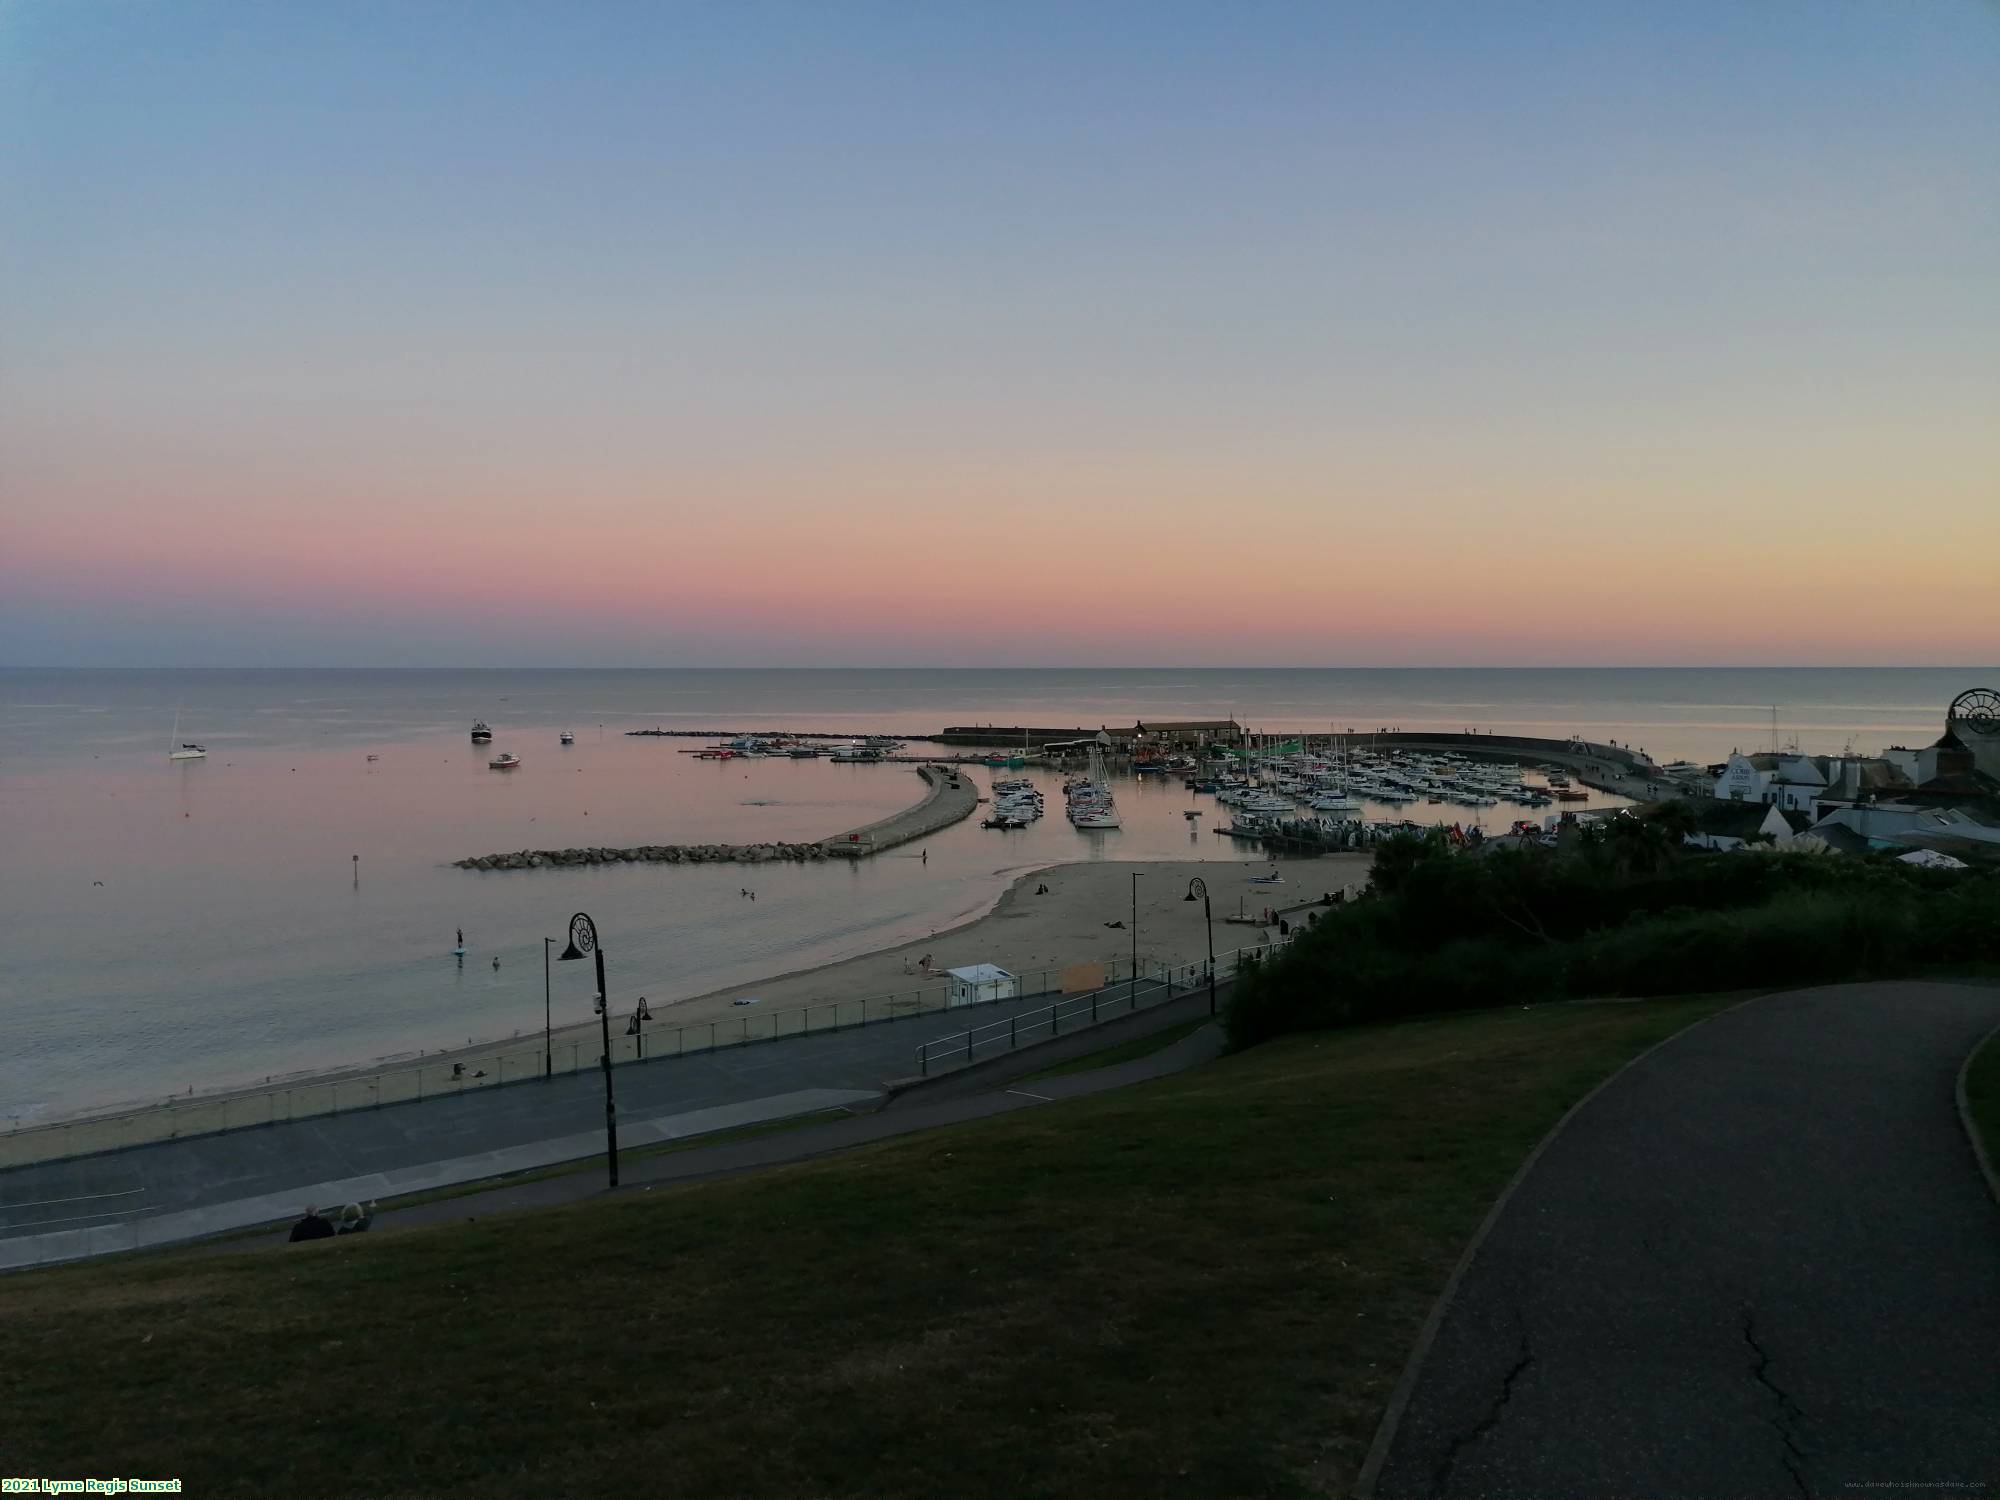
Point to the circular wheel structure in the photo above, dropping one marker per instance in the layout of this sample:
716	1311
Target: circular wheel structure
1978	709
583	934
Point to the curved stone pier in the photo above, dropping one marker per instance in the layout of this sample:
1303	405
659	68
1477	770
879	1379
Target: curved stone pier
951	797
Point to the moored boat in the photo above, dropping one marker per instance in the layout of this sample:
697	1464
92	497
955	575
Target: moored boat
503	762
180	749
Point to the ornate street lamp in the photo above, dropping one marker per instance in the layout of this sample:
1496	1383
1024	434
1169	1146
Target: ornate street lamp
1197	887
548	1013
583	943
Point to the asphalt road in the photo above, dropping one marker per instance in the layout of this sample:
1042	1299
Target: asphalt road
1762	1262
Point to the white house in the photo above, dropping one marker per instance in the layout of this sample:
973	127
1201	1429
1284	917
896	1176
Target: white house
1792	783
978	983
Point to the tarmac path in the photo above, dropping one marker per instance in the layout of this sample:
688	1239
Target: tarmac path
1762	1261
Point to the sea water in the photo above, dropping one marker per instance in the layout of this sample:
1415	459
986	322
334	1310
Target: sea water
169	925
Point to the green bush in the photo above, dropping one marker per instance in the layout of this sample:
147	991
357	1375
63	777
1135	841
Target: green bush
1611	917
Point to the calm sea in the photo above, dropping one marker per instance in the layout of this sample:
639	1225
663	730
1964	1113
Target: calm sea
234	935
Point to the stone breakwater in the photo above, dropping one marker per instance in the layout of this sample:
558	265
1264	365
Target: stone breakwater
948	796
645	854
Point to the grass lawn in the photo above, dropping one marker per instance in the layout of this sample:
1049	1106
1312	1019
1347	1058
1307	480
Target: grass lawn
1204	1285
1144	1046
1982	1096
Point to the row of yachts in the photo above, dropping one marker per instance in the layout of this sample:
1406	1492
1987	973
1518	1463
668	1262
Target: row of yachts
1280	788
1088	803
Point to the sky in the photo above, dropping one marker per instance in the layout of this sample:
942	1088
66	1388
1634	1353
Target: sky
844	333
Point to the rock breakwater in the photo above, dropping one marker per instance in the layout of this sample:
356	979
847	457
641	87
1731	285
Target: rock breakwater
645	854
948	796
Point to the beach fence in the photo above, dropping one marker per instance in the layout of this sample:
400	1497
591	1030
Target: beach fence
1075	1012
448	1075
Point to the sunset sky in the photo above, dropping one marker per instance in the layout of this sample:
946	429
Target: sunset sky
463	333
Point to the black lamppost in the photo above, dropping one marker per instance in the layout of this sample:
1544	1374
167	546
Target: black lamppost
583	942
1135	940
1198	887
548	1029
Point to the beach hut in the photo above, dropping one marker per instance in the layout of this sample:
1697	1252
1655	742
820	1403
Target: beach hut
979	983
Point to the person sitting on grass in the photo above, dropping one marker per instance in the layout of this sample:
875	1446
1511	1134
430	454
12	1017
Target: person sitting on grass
354	1219
312	1227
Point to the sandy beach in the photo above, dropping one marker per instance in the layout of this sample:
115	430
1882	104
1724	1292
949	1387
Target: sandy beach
1030	934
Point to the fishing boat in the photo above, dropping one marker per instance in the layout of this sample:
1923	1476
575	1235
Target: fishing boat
503	762
180	749
480	733
567	738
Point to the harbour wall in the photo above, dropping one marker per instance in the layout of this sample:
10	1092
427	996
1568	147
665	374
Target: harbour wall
950	797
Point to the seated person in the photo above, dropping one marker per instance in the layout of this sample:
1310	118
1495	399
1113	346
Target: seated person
312	1227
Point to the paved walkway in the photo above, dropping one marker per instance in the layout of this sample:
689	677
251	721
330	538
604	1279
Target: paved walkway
1762	1262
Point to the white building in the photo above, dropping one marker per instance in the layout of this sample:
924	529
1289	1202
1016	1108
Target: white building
1792	783
978	983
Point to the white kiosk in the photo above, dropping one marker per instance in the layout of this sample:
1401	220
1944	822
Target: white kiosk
978	984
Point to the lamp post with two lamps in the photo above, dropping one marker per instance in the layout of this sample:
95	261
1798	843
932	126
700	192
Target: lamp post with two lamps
1198	888
582	944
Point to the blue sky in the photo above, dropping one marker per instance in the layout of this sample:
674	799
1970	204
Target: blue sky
296	291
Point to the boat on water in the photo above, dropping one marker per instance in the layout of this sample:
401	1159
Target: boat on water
480	733
858	752
567	738
180	749
503	762
1091	804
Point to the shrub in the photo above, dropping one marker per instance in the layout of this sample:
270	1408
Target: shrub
1440	931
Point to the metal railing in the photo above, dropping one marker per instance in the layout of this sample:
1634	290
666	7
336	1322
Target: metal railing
480	1066
1077	1012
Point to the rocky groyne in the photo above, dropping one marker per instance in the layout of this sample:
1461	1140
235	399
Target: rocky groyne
645	854
948	796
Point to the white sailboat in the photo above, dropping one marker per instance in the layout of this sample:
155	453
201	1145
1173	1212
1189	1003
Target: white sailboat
179	749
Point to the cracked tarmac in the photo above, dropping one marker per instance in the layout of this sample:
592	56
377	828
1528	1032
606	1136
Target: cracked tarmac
1762	1262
